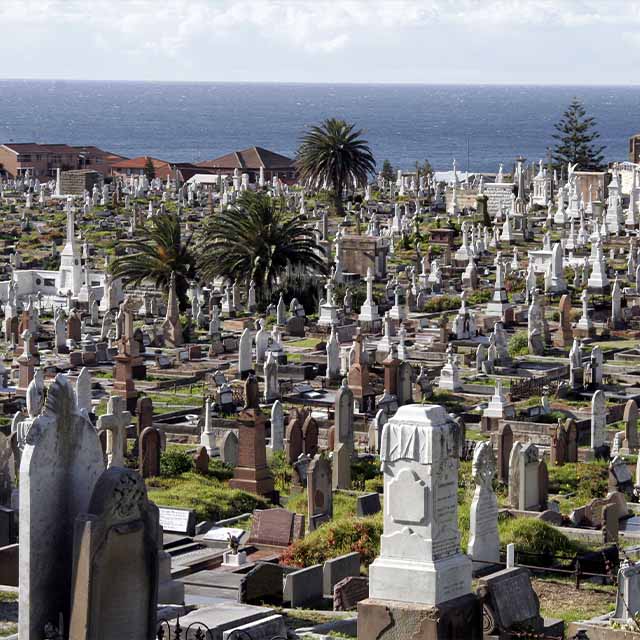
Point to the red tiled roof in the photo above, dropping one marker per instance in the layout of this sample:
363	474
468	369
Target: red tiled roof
252	158
139	163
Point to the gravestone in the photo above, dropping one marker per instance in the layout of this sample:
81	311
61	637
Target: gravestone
201	461
115	575
505	444
303	586
178	520
344	415
367	505
293	438
620	478
319	492
349	591
337	569
83	390
309	436
524	477
277	426
484	541
510	603
61	463
251	472
276	527
611	524
115	423
229	448
628	596
144	412
149	452
420	580
341	466
598	420
630	418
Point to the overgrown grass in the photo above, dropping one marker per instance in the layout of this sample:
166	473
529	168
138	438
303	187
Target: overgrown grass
206	495
336	538
519	344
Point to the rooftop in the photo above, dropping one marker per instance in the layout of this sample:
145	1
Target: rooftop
252	158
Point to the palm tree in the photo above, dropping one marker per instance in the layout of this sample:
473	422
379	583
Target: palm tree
258	240
155	253
335	155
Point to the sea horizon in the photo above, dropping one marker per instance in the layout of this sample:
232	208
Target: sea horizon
191	121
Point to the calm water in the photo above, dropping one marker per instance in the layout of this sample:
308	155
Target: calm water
405	123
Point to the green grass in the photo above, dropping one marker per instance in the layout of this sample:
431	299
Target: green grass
208	497
344	504
310	343
584	480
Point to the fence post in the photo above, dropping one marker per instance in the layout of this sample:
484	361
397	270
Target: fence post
511	556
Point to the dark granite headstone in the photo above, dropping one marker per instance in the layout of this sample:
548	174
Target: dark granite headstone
349	591
276	527
368	505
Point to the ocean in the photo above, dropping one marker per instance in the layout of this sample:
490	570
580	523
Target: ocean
479	126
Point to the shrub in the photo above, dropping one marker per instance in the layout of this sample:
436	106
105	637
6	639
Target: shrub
281	470
442	303
175	462
374	485
336	538
536	541
363	470
519	344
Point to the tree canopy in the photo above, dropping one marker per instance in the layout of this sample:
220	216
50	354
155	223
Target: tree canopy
258	240
576	140
335	155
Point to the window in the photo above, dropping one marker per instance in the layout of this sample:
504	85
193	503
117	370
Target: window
49	282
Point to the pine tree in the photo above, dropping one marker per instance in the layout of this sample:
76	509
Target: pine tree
576	136
149	169
387	171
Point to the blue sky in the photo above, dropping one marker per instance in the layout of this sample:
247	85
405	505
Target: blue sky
468	41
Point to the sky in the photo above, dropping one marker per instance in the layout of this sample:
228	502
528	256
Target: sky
581	42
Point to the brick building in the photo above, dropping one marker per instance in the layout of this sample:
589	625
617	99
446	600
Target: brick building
42	160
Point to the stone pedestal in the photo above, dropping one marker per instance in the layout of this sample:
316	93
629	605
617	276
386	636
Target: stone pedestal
252	473
123	385
391	620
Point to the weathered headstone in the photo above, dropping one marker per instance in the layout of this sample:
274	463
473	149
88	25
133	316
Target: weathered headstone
319	492
149	452
61	463
229	448
484	541
420	577
115	574
115	423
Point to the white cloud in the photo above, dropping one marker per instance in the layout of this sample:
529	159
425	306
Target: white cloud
147	36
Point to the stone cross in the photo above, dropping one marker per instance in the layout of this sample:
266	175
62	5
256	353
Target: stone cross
115	423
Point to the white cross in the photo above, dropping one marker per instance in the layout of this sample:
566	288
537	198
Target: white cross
115	423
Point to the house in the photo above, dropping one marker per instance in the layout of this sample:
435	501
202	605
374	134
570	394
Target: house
137	167
42	160
251	161
634	148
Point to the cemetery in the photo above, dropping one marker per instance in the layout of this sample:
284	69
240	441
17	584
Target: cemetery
424	425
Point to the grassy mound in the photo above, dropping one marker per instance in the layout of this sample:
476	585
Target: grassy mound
207	496
336	538
536	541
